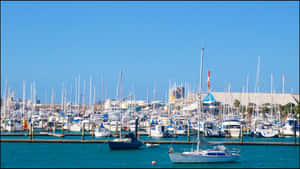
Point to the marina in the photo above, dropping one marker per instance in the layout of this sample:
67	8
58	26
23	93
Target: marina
133	125
148	141
150	85
137	126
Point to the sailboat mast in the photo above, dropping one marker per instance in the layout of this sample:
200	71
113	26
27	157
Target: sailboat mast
52	101
24	97
247	88
94	99
90	99
257	86
271	95
102	92
62	97
283	83
200	87
120	88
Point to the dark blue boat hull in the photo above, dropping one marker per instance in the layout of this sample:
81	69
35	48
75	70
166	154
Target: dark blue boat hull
119	145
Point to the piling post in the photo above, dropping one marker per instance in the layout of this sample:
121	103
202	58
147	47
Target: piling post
93	129
149	129
188	132
295	131
62	130
82	128
242	134
110	126
117	125
30	132
175	128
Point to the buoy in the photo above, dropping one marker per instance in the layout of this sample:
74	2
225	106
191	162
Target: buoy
153	162
171	149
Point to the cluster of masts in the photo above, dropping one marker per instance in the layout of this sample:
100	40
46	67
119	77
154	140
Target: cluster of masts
78	107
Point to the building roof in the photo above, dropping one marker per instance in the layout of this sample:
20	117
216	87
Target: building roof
209	98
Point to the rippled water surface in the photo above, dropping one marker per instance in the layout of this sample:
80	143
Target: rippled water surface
78	155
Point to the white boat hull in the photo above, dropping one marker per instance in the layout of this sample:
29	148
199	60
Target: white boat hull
269	133
156	134
234	132
189	158
75	128
180	131
289	132
102	133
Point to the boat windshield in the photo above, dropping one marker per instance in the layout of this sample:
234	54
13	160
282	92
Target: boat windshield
232	126
291	122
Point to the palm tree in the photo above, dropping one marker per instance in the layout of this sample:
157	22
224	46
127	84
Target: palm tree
236	103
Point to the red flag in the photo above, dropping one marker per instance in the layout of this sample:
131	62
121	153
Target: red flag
25	124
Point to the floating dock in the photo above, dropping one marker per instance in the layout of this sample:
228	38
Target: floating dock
65	134
146	141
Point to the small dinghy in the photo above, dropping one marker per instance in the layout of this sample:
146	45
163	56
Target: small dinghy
152	145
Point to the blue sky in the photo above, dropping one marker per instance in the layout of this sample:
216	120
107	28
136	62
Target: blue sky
54	42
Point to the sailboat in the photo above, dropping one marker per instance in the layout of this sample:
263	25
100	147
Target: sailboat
218	154
130	141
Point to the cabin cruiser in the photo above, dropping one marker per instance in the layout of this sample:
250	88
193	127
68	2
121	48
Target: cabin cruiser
265	130
14	125
195	126
231	128
180	130
75	126
157	131
211	129
288	128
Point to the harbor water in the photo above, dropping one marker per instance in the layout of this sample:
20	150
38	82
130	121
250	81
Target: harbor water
91	155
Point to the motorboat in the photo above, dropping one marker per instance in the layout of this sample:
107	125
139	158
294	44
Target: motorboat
211	129
180	130
157	131
75	126
14	125
151	145
265	130
289	127
231	128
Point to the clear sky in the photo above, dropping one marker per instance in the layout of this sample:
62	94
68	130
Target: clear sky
154	43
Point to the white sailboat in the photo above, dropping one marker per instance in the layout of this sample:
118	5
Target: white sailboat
218	154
